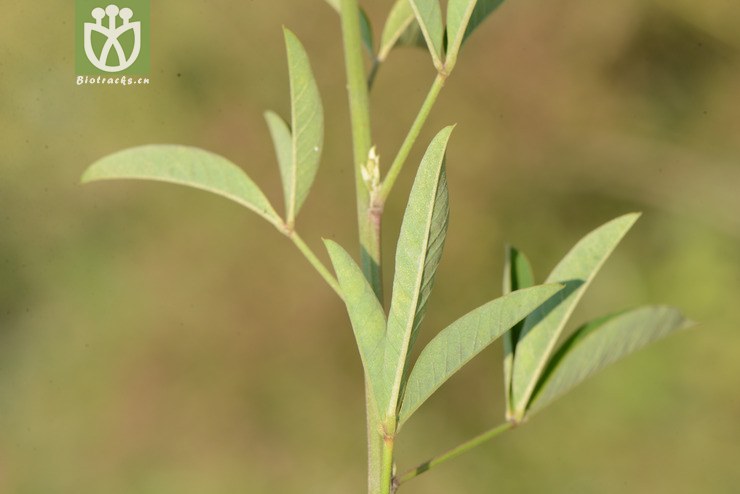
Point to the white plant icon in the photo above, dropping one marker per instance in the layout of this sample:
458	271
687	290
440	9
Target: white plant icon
112	32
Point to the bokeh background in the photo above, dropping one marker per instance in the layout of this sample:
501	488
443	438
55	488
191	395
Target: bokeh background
155	339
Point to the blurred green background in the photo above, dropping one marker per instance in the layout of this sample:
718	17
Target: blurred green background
155	339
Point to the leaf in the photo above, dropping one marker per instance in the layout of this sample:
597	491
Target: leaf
482	10
283	142
417	255
412	37
400	25
188	166
458	15
401	29
368	320
429	16
600	343
308	127
517	275
462	340
463	17
366	30
542	328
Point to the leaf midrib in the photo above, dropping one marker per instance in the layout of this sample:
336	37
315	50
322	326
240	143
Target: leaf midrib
401	364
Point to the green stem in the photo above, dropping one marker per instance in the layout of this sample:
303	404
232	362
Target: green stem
368	217
413	134
374	439
386	476
454	453
315	262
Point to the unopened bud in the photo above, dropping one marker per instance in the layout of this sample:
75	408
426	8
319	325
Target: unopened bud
371	170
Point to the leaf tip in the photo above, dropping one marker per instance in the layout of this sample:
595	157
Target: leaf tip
689	323
330	245
86	176
445	133
632	217
92	172
290	36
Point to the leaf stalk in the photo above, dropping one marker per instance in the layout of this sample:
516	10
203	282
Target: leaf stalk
413	134
315	262
453	453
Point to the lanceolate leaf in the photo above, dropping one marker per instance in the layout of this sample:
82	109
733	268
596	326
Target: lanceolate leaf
417	255
368	321
458	16
600	343
308	126
543	328
464	339
412	37
482	10
283	142
400	22
463	16
188	166
517	275
401	28
366	29
429	16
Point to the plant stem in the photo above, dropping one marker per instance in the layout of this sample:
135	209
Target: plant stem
454	453
315	262
359	106
413	134
368	216
374	439
386	477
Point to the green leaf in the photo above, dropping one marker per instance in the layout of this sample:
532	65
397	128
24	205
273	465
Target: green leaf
543	328
429	16
283	142
517	275
188	166
600	343
366	30
412	37
482	10
458	16
368	321
463	17
308	127
462	340
417	255
401	21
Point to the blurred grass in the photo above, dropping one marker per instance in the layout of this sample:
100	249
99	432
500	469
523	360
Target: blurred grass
156	339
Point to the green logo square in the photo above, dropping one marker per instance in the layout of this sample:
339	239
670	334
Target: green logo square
112	38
